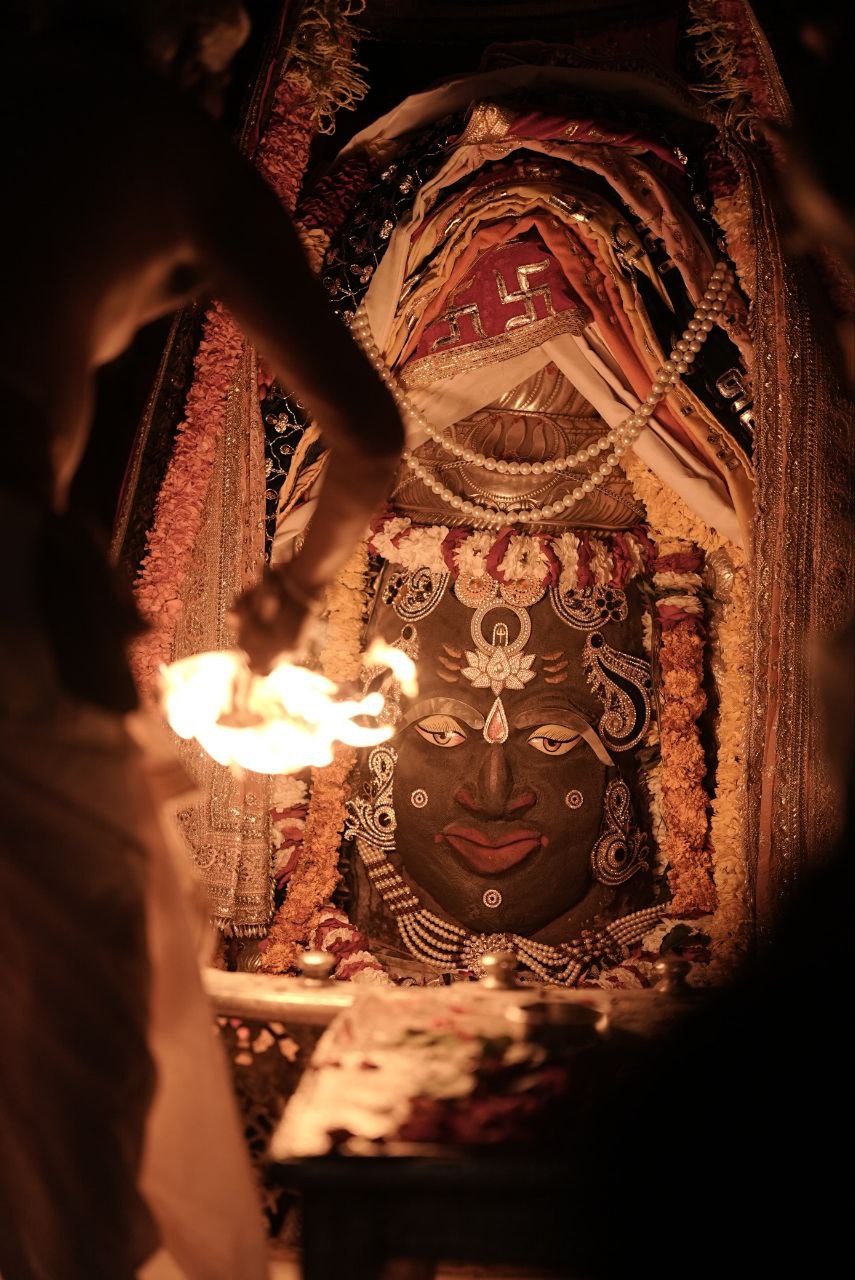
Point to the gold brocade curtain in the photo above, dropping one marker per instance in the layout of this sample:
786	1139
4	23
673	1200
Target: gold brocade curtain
802	562
802	565
229	828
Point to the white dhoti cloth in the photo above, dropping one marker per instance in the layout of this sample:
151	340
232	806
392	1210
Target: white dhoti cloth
119	1136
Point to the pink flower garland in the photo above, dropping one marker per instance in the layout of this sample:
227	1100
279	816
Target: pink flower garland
282	158
284	151
335	194
182	495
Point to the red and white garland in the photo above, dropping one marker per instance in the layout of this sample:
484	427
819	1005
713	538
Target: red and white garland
570	561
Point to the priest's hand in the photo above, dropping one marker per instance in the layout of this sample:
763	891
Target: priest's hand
275	618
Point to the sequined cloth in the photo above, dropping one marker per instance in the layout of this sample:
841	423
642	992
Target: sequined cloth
228	831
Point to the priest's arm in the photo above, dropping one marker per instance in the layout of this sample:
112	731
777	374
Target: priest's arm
253	259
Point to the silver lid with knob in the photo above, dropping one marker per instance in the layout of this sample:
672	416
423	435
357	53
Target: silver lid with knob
316	965
673	972
498	969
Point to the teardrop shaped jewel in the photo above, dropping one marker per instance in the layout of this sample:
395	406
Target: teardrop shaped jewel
496	724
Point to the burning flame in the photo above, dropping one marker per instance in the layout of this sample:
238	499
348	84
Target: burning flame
399	663
279	723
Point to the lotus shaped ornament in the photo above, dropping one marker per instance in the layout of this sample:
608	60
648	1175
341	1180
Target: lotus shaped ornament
497	669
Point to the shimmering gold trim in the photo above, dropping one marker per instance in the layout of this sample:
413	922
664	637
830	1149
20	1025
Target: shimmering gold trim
446	364
488	122
228	831
130	483
803	564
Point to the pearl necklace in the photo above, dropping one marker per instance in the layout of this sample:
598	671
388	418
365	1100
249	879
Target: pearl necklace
617	440
447	946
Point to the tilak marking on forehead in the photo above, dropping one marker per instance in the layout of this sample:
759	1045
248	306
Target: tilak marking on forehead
555	668
449	664
496	724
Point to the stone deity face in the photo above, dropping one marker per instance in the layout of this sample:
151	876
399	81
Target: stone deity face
499	789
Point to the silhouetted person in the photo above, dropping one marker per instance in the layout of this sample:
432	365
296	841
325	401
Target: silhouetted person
123	200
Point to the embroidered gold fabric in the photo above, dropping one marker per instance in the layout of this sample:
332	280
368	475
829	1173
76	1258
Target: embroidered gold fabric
803	562
228	831
475	355
523	201
488	122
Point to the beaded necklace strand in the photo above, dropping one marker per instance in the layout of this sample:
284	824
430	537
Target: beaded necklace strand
617	440
446	946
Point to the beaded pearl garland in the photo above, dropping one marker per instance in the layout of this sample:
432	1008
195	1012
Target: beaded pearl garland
617	440
446	946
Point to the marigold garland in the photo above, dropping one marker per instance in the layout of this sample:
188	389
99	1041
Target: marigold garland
316	873
181	500
684	800
731	925
667	513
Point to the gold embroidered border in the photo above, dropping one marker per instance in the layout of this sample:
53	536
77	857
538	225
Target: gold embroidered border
803	566
229	831
430	369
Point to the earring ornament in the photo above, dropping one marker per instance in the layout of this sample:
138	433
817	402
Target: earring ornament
373	817
619	851
623	685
